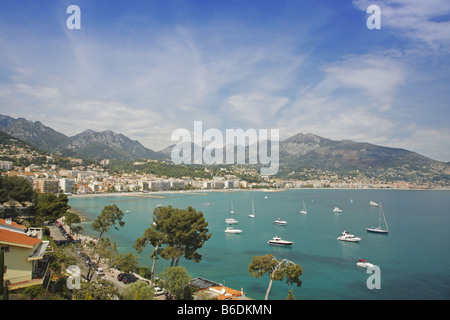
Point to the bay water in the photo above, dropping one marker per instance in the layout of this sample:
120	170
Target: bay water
414	258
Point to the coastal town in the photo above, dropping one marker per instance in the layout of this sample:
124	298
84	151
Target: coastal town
50	173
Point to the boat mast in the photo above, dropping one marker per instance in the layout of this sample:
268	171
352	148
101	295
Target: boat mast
384	218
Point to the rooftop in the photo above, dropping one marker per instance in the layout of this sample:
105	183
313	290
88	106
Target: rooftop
18	239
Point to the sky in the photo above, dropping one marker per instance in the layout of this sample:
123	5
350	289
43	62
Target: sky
146	68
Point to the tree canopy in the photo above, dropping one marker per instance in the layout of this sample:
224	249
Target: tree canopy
277	270
50	206
108	218
15	188
176	282
175	233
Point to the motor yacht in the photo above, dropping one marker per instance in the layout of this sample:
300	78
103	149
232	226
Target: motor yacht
277	241
232	230
347	236
364	263
280	222
231	221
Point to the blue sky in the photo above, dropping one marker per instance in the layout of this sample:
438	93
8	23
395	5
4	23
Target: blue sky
146	68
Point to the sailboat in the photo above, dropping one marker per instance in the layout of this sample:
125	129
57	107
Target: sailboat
337	210
304	211
379	229
232	210
252	214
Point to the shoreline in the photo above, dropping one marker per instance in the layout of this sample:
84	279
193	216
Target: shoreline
159	194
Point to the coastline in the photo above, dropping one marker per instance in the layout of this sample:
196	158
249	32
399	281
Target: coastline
160	194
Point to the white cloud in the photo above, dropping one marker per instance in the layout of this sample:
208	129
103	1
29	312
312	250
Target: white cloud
431	142
378	75
415	19
254	108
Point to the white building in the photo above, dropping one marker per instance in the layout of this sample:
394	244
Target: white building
5	165
67	185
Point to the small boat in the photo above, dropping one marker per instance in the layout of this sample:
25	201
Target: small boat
232	230
380	229
231	221
373	204
252	214
266	197
159	206
232	210
336	210
279	221
364	264
277	241
128	211
347	236
304	211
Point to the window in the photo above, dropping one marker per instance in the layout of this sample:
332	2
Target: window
4	249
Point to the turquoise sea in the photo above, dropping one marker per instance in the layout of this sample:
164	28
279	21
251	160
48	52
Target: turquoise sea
414	258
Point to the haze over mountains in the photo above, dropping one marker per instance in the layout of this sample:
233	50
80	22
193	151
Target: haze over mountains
297	153
102	145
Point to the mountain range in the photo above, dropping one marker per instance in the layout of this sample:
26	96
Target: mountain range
297	153
102	145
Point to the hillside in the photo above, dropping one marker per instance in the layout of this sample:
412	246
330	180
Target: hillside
299	155
88	144
305	151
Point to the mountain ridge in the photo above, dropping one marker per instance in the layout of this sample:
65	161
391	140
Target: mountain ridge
89	143
297	154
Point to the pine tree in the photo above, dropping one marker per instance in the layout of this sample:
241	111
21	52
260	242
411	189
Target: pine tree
290	295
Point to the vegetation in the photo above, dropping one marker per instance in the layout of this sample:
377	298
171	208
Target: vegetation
139	290
50	207
176	282
175	233
16	189
110	217
277	270
158	168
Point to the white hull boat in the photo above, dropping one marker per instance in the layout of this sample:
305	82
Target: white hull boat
252	214
336	210
373	204
304	211
347	236
280	222
232	230
277	241
231	221
364	263
381	220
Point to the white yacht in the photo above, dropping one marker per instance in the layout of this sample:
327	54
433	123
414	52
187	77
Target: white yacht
280	222
382	223
364	263
304	211
347	236
336	210
232	230
373	204
231	221
252	214
277	241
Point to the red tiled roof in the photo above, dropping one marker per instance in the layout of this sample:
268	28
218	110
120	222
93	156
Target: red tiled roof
13	224
20	239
